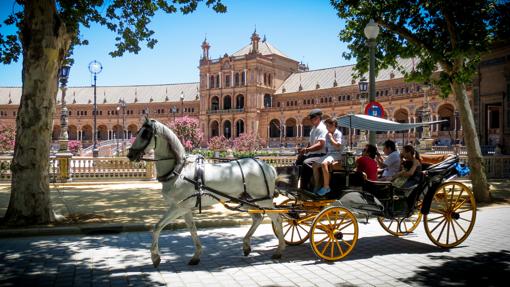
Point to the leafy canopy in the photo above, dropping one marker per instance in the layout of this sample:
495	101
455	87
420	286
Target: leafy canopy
129	19
451	33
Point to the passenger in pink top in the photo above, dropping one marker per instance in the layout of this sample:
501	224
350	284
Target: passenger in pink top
366	163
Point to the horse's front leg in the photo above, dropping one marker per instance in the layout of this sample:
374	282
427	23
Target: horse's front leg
172	213
276	220
188	218
257	219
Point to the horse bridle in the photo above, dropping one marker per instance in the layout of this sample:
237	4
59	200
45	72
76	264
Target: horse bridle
150	130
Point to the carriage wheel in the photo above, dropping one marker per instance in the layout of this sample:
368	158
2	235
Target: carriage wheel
400	226
334	233
295	231
452	215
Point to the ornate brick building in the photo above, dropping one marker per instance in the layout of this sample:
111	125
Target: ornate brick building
257	89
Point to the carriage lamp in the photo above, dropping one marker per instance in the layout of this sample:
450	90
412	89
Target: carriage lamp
95	68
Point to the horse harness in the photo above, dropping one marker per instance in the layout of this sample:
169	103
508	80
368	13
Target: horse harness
201	189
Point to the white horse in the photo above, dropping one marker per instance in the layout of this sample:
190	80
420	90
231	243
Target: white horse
174	168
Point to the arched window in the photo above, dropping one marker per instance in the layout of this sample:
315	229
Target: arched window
267	100
239	127
243	78
265	79
215	129
269	80
215	103
274	128
239	101
227	103
290	128
227	129
217	81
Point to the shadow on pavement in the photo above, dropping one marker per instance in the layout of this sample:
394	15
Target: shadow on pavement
482	269
125	258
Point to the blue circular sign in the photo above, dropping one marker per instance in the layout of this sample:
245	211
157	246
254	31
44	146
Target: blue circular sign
374	109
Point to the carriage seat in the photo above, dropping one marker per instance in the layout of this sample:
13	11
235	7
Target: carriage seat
428	160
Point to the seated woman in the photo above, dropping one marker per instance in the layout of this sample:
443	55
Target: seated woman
366	163
410	173
333	152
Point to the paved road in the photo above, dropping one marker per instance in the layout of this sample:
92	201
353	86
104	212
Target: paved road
378	259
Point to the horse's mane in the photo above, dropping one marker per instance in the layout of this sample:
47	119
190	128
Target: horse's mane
174	144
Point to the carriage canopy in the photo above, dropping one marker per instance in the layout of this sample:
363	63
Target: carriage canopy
370	123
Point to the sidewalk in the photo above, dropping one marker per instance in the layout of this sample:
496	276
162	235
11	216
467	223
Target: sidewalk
102	207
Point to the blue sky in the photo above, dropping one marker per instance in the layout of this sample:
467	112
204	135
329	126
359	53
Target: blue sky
304	30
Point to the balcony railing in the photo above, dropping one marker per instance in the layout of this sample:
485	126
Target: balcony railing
228	111
82	168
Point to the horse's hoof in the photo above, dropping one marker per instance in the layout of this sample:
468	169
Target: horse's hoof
194	261
156	260
276	256
247	251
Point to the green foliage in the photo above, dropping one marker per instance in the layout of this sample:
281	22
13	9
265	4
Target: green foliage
129	19
450	33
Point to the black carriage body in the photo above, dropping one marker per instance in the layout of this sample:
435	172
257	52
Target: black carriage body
374	198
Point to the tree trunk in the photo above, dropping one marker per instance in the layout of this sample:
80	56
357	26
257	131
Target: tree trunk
45	42
478	176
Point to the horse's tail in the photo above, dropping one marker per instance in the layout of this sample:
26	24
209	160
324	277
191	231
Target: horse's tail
282	178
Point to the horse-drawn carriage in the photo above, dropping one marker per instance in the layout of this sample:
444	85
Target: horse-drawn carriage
447	207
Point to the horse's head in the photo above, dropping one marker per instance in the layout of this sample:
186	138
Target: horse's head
144	141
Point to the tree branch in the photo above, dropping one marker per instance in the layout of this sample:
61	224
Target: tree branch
449	25
413	39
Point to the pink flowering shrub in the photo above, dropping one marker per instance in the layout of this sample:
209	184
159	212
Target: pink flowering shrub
247	142
219	143
74	146
188	131
7	137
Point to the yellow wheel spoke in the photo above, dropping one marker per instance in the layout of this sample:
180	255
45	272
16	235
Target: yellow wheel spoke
345	226
460	205
298	233
438	225
405	226
448	231
436	218
332	253
466	210
454	231
292	234
326	246
346	243
340	248
459	226
322	240
458	197
341	221
442	230
287	231
304	229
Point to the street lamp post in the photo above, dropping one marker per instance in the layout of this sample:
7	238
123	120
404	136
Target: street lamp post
363	87
117	130
123	105
64	136
182	104
371	31
95	68
426	138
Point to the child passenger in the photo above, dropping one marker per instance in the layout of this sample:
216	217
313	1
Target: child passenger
334	150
